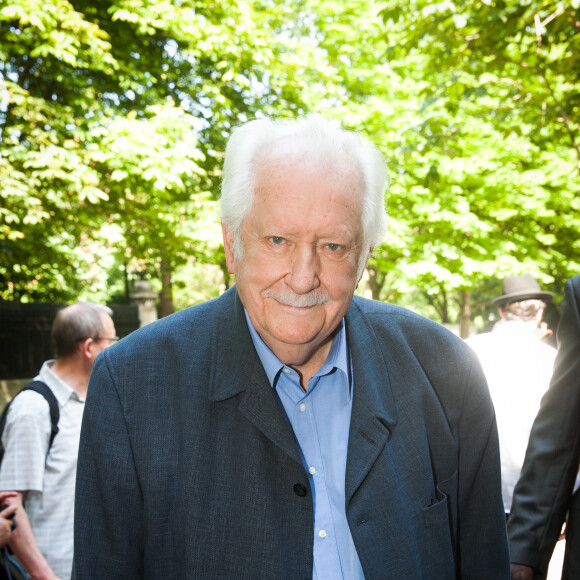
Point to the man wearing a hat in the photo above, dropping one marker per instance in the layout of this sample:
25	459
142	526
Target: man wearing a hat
518	367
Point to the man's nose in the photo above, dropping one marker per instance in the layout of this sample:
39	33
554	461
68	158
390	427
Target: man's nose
304	270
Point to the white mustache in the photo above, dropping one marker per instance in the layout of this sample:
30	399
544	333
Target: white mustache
289	298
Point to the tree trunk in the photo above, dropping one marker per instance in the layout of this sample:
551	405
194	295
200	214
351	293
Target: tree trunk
375	282
440	303
166	298
465	315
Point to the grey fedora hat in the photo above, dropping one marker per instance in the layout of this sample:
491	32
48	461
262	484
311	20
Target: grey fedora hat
523	287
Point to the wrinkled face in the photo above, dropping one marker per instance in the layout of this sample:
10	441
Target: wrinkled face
302	241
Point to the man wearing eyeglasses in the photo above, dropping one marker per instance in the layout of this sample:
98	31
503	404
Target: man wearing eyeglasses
44	474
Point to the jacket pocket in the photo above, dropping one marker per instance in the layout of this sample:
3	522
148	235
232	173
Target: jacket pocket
438	558
437	513
446	491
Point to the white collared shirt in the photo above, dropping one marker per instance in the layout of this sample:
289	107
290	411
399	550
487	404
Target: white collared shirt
48	481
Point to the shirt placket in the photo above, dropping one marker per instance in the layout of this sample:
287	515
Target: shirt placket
325	550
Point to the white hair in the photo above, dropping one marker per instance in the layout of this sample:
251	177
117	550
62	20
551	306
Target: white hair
254	138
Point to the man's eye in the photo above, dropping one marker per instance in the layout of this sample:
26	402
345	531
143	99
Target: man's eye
277	240
334	247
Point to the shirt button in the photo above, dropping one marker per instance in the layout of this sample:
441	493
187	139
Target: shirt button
285	370
322	533
312	470
303	407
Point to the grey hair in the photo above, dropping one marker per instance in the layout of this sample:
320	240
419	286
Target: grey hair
523	310
75	323
256	137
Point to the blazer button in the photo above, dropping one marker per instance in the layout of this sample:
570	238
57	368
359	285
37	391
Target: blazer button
300	490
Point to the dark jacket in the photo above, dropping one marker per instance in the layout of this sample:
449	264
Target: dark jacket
188	468
543	493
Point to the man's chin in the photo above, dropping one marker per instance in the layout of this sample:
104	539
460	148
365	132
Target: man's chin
304	332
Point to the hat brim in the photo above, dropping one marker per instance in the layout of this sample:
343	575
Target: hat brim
518	296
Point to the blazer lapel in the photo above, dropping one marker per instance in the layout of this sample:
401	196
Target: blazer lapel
373	409
239	372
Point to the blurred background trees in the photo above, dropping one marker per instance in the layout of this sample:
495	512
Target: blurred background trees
114	116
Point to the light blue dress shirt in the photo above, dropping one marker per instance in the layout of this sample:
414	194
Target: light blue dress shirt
320	418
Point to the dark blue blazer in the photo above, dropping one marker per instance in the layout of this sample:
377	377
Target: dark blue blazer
189	469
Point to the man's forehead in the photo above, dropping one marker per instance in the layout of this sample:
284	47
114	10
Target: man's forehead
279	156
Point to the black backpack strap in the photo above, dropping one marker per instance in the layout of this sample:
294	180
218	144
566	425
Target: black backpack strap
44	390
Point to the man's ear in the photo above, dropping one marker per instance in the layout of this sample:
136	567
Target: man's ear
228	247
371	248
86	348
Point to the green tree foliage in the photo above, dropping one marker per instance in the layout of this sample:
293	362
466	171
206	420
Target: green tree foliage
525	55
499	127
44	182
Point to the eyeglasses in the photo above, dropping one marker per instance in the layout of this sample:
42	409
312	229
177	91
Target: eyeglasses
111	339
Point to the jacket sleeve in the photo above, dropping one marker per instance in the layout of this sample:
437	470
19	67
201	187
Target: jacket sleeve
482	550
544	490
108	503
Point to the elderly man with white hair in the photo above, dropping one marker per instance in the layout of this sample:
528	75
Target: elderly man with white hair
288	429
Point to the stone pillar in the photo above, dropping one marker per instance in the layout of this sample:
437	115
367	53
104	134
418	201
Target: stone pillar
144	296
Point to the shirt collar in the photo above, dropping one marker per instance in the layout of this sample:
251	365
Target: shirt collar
62	391
338	356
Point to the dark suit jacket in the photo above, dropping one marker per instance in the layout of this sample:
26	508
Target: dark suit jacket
543	493
189	469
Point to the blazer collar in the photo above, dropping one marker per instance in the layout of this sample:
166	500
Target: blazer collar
238	371
236	364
